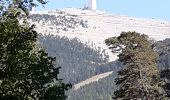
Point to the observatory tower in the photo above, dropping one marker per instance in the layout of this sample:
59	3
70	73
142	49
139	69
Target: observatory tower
92	5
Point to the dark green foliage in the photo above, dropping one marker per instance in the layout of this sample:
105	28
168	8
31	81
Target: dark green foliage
139	78
163	49
26	71
78	61
100	90
165	74
56	92
24	5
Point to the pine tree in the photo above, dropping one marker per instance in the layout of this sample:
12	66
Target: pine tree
139	77
24	5
165	74
26	70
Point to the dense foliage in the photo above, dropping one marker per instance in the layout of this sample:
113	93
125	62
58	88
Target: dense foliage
23	5
100	90
163	49
78	61
26	71
139	78
165	75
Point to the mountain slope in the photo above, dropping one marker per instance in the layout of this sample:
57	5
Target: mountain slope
96	26
76	38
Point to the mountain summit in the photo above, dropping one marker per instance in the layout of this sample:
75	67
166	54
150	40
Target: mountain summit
96	26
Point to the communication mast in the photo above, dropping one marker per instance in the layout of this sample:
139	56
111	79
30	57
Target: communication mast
92	5
32	10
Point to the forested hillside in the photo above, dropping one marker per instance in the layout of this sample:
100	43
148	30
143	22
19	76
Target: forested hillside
74	57
78	61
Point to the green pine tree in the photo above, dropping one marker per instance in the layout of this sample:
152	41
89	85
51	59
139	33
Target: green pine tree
24	5
26	70
139	77
165	75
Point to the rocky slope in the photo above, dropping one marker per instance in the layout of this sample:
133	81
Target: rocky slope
96	26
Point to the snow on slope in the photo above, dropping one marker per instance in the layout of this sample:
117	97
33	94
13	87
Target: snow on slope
102	25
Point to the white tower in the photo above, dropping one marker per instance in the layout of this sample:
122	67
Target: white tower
92	5
32	10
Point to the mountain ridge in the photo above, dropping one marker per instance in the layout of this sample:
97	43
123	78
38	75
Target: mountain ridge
98	26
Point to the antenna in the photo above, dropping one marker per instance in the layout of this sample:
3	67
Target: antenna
92	5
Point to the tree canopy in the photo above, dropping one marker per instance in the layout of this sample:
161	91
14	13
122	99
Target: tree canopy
26	70
139	78
24	5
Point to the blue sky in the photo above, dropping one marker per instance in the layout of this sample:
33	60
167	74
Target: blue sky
157	9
